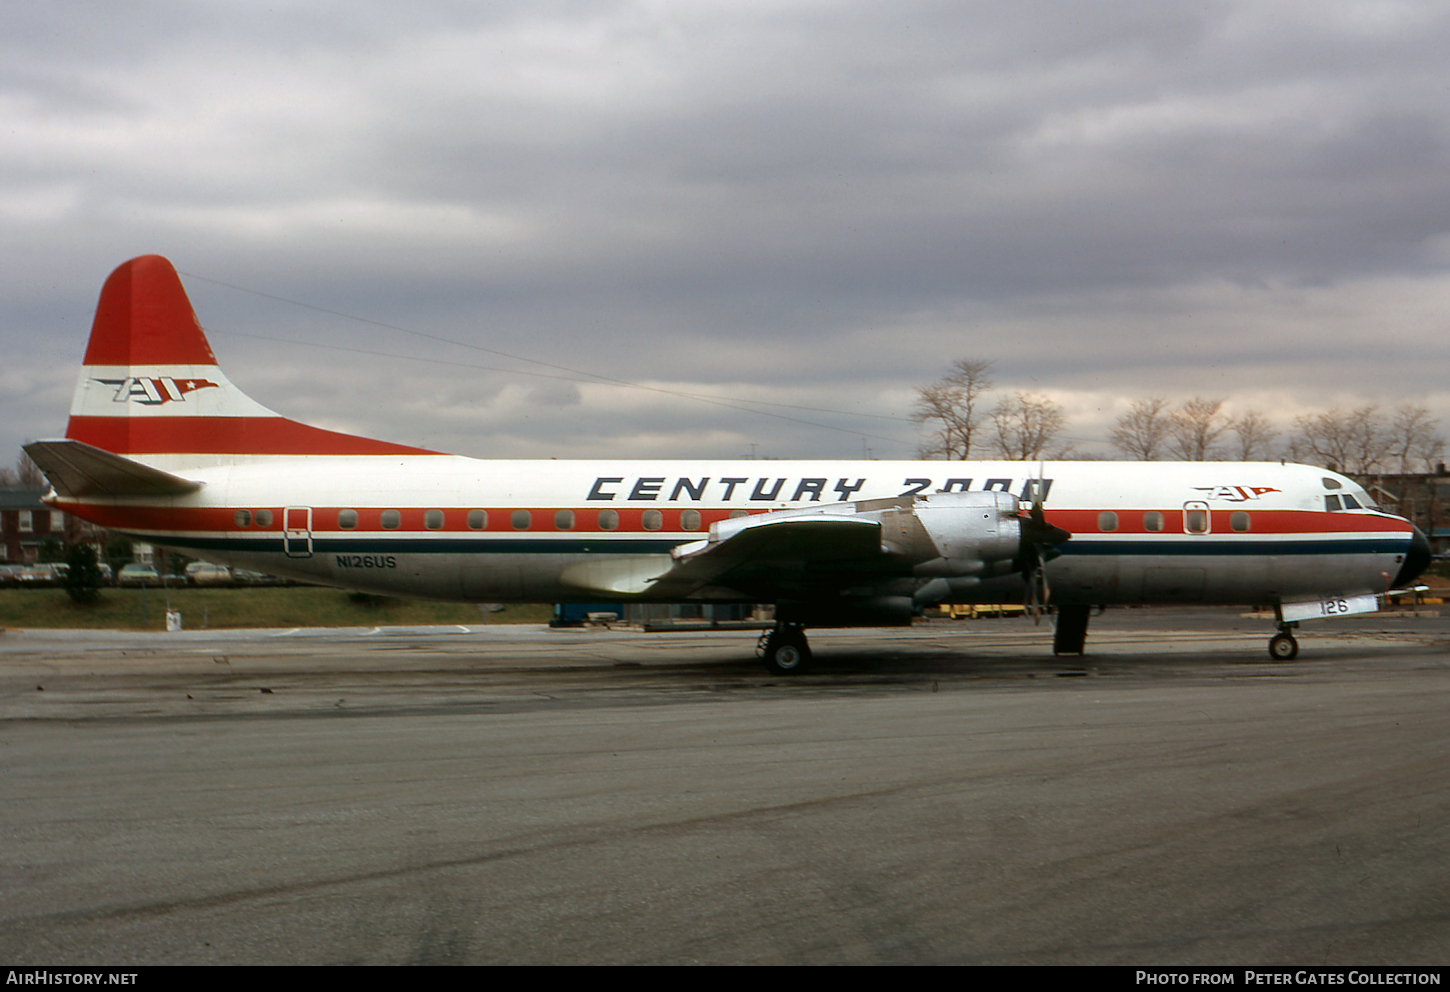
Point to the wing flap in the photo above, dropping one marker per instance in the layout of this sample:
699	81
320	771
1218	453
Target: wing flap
77	470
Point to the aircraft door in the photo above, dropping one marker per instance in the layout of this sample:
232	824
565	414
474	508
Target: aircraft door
1196	518
297	528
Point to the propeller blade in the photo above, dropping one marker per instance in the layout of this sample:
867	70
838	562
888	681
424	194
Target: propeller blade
1039	546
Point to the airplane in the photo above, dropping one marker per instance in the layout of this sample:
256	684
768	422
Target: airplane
161	446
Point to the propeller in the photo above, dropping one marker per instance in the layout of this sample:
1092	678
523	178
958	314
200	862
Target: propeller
1039	546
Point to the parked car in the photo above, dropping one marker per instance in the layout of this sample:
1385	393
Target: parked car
138	575
10	575
204	573
39	575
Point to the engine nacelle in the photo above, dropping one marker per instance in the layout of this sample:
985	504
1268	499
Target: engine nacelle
952	540
969	531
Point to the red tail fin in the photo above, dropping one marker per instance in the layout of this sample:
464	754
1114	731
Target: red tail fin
150	384
145	318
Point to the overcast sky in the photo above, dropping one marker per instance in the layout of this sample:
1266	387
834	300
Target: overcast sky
812	204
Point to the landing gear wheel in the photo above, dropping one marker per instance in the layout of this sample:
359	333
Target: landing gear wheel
1283	647
786	652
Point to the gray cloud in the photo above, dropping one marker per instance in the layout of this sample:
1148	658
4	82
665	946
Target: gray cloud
823	203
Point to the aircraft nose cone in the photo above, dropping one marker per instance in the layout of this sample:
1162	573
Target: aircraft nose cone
1417	559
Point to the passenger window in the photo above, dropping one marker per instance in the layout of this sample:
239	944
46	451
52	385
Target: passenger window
391	519
690	520
1107	521
1153	521
264	518
477	519
564	520
521	519
1331	503
608	519
653	519
433	520
347	519
1239	521
739	513
1195	521
242	518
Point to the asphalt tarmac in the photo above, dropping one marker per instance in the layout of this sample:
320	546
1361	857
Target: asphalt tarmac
951	793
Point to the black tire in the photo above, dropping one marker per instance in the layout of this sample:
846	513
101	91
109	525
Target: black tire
787	653
1283	647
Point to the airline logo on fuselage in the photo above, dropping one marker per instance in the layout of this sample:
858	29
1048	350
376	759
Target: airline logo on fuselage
155	390
1235	494
781	489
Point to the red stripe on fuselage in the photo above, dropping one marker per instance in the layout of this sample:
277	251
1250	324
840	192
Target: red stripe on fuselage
631	521
223	436
324	519
1261	521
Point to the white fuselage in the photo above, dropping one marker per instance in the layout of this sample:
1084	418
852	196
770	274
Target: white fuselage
449	527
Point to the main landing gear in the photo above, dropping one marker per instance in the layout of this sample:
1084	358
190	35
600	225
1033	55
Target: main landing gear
1282	646
1070	633
785	650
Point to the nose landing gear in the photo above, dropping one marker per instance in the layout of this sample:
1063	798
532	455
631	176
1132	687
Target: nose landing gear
1282	646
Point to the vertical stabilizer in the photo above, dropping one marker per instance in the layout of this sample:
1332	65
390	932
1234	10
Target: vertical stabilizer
150	384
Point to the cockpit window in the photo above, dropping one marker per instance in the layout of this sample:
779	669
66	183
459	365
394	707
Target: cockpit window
1350	503
1330	483
1331	503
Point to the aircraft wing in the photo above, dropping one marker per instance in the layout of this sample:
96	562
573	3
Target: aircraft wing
77	470
740	553
771	549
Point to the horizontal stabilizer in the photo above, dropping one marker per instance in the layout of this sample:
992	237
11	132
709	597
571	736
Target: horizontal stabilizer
77	470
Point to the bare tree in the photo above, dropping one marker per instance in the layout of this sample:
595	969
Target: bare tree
952	405
1024	425
1195	428
1354	441
1255	436
1141	431
1414	443
25	475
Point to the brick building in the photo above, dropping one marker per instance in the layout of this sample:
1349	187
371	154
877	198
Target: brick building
25	522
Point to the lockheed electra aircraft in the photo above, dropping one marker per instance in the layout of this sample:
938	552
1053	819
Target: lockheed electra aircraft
162	447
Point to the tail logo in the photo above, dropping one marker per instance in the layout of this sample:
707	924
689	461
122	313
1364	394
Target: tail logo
154	391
